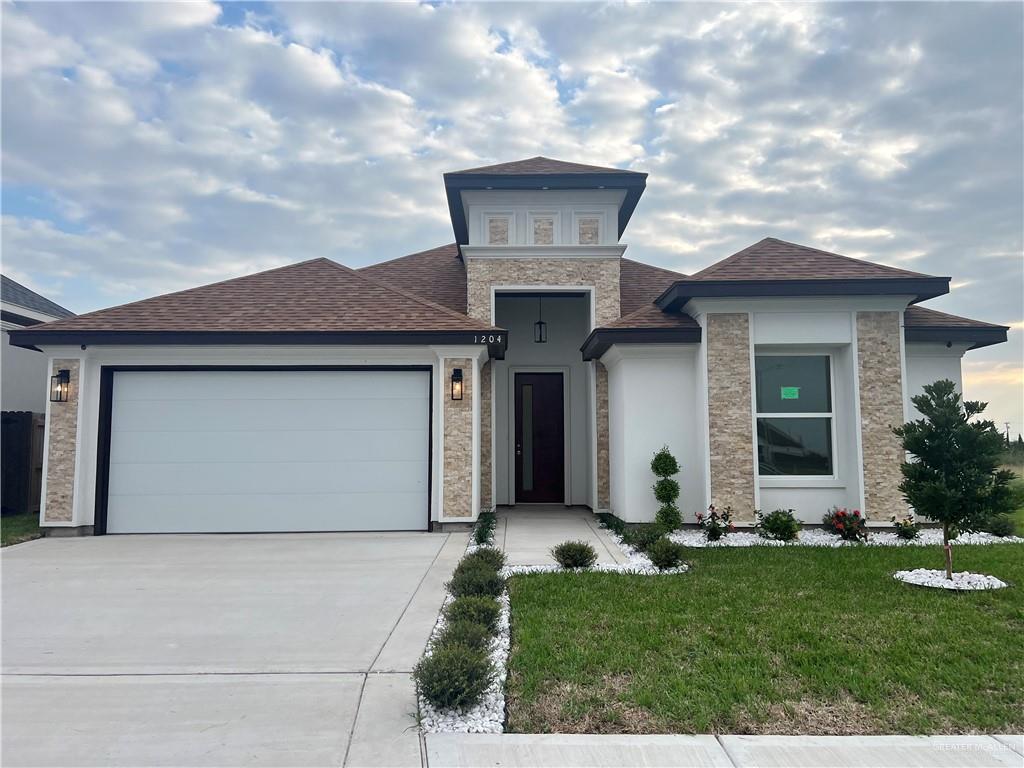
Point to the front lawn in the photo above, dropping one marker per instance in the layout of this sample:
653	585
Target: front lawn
15	529
766	640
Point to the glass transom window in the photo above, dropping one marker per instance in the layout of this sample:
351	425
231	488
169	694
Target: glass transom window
794	414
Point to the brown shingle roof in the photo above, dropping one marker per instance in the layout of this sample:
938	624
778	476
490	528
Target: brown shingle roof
538	166
309	297
772	259
923	317
640	284
436	274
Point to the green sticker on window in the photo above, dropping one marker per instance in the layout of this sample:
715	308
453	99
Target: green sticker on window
789	393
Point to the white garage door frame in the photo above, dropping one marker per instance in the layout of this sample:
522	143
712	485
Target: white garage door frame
106	401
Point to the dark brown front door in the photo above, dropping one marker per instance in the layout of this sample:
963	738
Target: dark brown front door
540	439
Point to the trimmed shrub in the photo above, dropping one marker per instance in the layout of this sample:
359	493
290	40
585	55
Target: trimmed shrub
906	527
489	556
668	518
476	578
574	554
850	526
484	529
1001	526
611	522
454	676
780	525
463	632
475	609
666	490
664	464
640	537
665	553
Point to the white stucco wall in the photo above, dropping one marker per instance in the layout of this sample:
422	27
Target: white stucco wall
568	322
24	378
926	364
652	395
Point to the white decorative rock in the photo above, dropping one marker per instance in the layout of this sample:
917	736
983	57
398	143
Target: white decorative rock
965	580
817	537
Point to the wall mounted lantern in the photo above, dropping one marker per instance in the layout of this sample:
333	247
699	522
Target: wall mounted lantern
540	328
457	384
60	383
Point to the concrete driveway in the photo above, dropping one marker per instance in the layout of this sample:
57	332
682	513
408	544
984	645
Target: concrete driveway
290	649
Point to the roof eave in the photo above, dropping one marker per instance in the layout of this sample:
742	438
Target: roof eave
601	340
632	182
30	339
682	291
977	337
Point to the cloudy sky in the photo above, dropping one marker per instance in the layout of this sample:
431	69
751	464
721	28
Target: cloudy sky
148	148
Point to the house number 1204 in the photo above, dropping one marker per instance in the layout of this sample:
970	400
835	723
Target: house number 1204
487	339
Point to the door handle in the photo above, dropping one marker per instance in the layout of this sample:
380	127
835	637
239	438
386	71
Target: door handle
519	450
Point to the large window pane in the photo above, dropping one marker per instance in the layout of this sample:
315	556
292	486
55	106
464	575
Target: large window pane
794	446
792	384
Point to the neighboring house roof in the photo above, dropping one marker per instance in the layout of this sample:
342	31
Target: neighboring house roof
774	267
13	292
923	324
317	301
541	165
540	173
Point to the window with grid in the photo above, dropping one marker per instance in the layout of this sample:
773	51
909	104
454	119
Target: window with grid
795	420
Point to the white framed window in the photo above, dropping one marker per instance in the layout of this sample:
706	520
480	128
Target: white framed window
588	228
498	228
794	396
544	228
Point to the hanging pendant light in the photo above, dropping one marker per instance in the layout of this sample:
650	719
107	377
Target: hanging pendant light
540	328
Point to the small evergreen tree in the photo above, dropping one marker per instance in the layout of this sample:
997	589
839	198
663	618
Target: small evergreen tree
666	490
954	476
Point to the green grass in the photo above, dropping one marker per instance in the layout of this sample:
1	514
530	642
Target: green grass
15	529
795	640
1017	489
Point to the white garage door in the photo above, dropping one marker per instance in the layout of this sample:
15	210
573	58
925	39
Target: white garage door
218	451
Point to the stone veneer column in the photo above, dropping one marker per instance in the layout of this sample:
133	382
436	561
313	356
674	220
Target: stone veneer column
458	441
486	497
880	378
62	428
730	419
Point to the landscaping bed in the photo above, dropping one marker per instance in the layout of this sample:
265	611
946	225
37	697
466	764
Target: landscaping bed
770	640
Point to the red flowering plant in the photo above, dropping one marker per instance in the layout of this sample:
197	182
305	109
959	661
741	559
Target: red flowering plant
850	526
716	523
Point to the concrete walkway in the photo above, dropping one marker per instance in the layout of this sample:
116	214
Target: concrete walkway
528	532
665	751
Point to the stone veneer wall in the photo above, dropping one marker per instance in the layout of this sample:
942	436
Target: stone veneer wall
880	377
603	274
458	441
730	419
604	494
486	497
63	442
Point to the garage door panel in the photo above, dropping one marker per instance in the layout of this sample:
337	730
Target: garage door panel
266	415
287	445
254	512
212	451
186	479
244	385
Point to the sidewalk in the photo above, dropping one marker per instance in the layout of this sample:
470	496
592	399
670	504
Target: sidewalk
527	533
450	750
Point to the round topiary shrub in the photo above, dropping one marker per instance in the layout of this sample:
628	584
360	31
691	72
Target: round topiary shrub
463	632
664	464
574	554
665	554
666	490
454	676
668	518
779	524
476	578
479	610
489	556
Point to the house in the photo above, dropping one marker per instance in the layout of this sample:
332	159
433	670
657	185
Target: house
22	396
530	362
